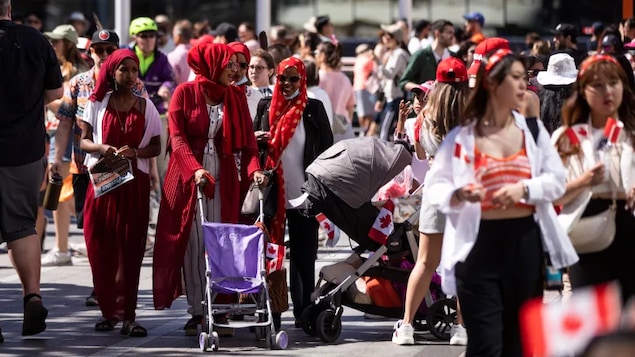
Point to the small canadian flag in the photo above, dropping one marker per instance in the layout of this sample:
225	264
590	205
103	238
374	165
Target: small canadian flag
332	232
565	328
612	130
384	224
275	257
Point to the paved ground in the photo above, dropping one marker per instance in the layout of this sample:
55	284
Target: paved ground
70	324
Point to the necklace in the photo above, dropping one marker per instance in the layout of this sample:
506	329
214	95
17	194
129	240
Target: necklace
123	122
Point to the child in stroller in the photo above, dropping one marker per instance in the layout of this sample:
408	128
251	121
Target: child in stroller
340	184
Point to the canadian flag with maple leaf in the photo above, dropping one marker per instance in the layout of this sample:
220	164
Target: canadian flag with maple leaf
384	224
566	327
332	232
275	257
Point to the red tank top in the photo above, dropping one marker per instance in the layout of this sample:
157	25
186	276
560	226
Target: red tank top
497	172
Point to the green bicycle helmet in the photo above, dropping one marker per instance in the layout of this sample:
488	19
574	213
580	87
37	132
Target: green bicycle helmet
141	24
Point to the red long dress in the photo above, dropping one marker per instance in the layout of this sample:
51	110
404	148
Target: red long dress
116	225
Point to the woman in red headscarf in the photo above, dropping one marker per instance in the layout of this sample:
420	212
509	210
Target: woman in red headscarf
292	130
210	135
240	79
118	124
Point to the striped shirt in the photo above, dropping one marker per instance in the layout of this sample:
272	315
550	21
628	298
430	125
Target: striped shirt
494	173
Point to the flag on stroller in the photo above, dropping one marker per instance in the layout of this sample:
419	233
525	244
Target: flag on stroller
332	232
384	224
275	257
565	328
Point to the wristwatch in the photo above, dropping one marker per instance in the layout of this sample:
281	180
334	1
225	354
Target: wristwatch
525	191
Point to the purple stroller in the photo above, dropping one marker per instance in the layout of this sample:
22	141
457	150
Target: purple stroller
235	264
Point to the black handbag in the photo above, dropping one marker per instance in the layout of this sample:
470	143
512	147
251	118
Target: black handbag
251	203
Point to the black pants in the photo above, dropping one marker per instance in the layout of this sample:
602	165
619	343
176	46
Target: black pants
617	262
80	185
303	242
503	270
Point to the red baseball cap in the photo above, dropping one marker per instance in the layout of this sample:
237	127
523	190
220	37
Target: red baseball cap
488	45
451	70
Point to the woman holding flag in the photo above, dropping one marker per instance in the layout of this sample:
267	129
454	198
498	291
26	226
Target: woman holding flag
497	226
601	113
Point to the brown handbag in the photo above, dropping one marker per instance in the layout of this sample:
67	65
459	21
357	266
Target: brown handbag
278	291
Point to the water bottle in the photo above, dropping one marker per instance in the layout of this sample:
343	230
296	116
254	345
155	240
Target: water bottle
52	194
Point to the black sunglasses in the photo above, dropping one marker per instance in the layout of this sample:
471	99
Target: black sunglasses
147	35
292	79
243	65
101	50
533	72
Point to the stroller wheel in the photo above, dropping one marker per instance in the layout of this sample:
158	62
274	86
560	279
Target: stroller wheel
328	326
214	341
441	317
282	340
308	318
204	342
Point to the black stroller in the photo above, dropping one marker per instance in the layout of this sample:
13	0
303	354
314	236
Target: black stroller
341	183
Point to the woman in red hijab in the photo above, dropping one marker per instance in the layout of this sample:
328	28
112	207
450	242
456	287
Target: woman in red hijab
210	135
240	79
118	124
292	131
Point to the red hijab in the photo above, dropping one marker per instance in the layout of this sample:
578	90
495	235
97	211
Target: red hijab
240	47
208	61
284	117
107	73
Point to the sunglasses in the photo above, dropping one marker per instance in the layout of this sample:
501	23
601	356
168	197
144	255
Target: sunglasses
101	50
533	72
147	35
293	79
243	65
256	68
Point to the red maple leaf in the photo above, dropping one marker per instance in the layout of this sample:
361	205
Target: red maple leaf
327	226
385	221
582	132
272	250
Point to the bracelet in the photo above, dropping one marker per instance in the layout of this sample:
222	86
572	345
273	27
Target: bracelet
525	191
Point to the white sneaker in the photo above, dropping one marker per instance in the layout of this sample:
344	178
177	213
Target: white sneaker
55	258
458	335
403	334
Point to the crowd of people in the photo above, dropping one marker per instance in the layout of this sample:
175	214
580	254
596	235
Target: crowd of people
510	138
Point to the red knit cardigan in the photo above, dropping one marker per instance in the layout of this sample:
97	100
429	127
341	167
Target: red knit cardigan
188	124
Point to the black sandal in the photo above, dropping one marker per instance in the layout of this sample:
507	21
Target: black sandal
105	325
34	315
133	329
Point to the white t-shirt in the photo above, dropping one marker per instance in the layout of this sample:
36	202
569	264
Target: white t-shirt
293	165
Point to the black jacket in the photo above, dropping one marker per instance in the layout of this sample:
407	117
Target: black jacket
319	136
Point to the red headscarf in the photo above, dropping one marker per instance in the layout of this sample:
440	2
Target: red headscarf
107	73
284	117
240	47
208	61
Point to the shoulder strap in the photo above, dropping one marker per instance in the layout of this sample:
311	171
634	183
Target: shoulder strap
532	123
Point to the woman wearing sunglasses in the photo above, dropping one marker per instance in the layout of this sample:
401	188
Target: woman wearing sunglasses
292	130
240	77
211	138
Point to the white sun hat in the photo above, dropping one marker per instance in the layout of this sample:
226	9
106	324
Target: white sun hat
560	71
